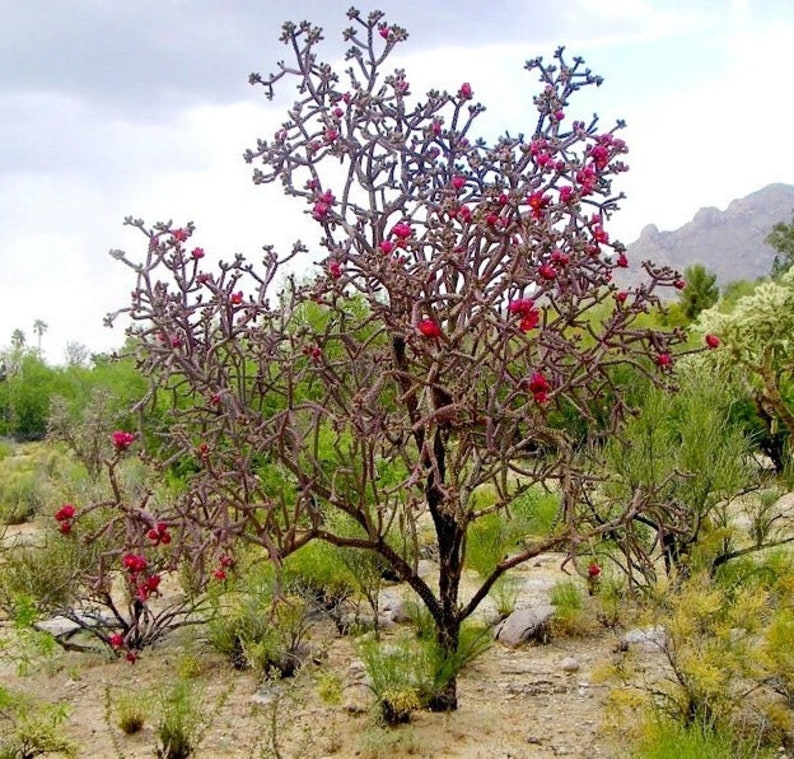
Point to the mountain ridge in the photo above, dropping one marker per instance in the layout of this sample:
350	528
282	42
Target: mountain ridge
731	243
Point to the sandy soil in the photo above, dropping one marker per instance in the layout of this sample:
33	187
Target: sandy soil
513	702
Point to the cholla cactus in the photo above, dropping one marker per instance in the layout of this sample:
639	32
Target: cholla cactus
463	315
758	335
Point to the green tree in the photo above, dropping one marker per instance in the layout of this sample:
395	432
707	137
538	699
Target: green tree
701	291
781	238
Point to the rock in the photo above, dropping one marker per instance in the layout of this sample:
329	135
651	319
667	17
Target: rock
425	567
267	694
393	606
569	664
357	698
524	625
357	670
651	638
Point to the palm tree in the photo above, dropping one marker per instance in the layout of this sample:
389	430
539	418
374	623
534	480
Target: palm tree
39	327
18	340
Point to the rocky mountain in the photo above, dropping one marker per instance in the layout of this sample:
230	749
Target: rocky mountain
730	242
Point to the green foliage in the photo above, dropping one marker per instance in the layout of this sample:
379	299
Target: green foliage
329	687
22	492
685	450
728	646
757	346
29	728
493	536
180	720
133	709
571	613
407	673
255	629
667	739
398	675
319	568
701	291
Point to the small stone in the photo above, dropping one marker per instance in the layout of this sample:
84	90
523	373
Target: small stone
569	664
534	740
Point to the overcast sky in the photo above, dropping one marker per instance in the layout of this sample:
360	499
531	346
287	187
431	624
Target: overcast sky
111	108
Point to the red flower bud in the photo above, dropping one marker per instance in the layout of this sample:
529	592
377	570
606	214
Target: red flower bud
429	328
713	341
67	511
116	640
122	440
664	359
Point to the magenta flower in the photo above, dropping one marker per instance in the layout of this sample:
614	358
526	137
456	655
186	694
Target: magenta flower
67	511
133	562
401	230
712	341
197	253
664	359
122	440
538	383
465	92
116	640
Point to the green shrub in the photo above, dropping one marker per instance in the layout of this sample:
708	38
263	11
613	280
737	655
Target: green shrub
319	568
398	674
491	537
668	739
29	728
23	491
180	719
132	710
408	673
254	629
571	614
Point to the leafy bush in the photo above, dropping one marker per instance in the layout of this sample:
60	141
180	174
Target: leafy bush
29	728
255	628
